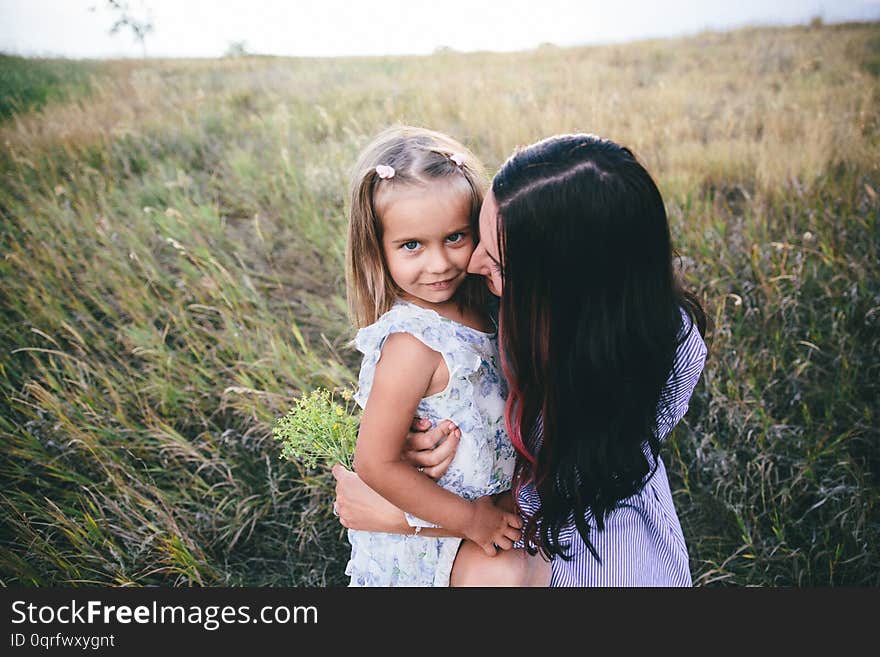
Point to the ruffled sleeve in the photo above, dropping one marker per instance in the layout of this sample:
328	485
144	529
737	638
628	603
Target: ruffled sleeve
422	324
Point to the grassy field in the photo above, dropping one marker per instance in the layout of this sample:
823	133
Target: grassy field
30	84
172	272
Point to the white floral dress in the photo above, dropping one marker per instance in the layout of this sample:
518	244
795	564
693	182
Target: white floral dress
483	463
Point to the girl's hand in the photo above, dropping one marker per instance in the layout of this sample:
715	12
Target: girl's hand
431	449
504	501
360	507
491	527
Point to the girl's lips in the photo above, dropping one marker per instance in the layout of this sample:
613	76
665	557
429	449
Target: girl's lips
442	285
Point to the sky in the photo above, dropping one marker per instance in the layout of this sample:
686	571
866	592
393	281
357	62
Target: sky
206	28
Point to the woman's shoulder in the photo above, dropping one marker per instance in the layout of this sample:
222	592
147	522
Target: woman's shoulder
691	346
690	358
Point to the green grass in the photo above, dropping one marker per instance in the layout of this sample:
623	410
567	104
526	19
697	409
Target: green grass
173	278
28	84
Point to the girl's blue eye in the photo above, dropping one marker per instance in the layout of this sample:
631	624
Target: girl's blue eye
411	245
456	237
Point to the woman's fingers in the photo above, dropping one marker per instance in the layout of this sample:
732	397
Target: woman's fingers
437	471
432	451
432	458
419	425
422	440
338	472
341	474
360	507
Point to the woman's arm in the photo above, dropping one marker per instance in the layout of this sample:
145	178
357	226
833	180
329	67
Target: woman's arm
360	507
402	376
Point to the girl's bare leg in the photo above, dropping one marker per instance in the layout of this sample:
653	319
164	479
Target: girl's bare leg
473	567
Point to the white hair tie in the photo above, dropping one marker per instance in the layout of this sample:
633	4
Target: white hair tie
384	171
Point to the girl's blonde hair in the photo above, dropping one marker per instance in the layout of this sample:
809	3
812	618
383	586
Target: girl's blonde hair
418	157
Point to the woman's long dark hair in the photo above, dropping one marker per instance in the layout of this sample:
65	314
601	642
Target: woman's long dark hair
590	321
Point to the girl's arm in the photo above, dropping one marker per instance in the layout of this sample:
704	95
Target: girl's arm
401	379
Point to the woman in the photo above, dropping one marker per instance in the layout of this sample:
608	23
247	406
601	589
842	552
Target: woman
602	349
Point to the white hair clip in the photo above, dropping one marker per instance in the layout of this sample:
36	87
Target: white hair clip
458	158
384	171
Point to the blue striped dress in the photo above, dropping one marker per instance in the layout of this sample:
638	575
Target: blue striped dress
642	543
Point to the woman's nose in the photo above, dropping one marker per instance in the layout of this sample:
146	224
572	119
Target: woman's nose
476	265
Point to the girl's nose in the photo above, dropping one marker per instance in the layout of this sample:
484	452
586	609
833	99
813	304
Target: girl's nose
438	262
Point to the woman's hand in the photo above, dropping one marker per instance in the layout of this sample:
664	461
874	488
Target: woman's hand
432	450
360	507
491	527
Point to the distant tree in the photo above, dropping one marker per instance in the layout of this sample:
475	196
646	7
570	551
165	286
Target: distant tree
237	49
139	23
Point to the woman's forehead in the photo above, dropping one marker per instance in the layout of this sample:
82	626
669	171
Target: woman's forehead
488	213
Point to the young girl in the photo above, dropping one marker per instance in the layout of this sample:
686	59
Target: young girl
429	350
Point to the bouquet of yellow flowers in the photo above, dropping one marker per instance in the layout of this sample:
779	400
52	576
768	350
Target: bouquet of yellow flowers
319	429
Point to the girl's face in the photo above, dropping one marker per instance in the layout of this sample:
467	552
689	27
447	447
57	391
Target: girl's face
486	258
427	240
